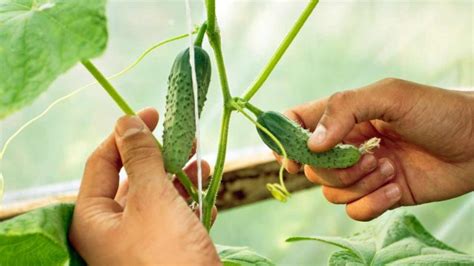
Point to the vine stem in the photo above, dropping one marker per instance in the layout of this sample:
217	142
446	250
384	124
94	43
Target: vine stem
262	77
214	38
215	41
211	15
222	71
120	101
215	182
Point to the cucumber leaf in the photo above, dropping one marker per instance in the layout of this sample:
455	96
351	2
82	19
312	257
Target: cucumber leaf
39	237
241	256
363	250
345	257
400	239
41	39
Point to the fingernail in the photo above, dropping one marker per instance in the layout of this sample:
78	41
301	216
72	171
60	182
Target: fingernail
129	125
387	169
392	192
318	135
368	163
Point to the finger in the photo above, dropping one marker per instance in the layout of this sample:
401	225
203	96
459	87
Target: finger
308	114
291	166
142	161
191	172
361	133
366	185
341	177
121	196
193	150
150	117
102	168
374	204
343	110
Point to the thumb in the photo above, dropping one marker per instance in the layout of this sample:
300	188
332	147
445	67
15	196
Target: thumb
140	156
345	109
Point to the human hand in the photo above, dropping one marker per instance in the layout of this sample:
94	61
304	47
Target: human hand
426	153
146	221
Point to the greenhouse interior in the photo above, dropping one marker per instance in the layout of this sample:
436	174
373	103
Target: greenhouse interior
382	70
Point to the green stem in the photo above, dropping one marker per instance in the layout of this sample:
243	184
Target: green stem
222	73
216	179
118	99
108	87
214	38
254	109
200	36
280	51
211	15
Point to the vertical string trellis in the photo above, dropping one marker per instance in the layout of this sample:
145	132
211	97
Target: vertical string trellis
196	103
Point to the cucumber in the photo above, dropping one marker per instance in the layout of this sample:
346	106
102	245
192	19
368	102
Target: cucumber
179	126
294	139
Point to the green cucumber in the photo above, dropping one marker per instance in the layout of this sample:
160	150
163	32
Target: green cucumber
179	126
294	139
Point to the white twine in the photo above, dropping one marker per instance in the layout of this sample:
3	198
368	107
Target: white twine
196	104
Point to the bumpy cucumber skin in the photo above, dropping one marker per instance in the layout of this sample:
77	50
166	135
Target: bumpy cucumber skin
294	139
179	126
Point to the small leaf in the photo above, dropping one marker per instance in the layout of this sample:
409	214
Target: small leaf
38	237
41	39
241	256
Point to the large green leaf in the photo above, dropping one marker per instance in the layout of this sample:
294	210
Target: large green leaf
241	256
400	240
41	39
38	237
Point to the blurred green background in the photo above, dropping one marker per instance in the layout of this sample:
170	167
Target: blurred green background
344	45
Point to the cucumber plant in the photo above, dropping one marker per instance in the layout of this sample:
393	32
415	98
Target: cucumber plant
277	132
179	128
80	29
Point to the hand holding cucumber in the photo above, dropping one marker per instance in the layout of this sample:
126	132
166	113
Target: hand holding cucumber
424	156
146	219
